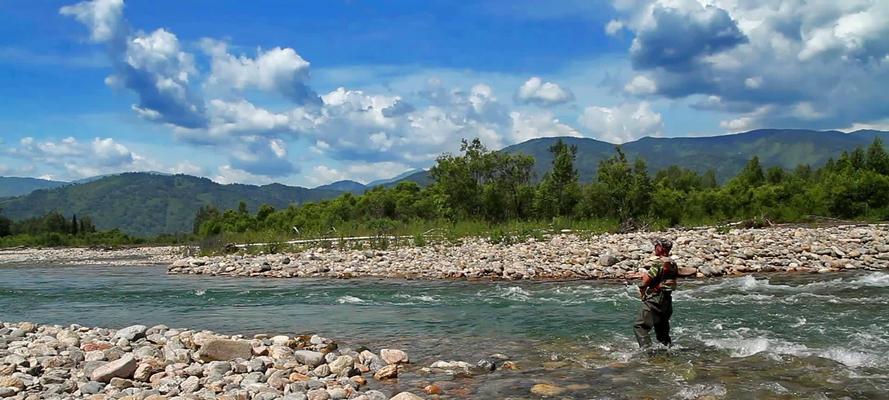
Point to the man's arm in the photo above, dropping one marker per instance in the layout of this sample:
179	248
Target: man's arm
646	280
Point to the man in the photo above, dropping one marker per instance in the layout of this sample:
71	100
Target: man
656	292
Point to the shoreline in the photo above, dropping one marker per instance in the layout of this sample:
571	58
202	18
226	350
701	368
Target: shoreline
140	362
700	253
126	256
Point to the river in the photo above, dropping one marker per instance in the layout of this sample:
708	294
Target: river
775	336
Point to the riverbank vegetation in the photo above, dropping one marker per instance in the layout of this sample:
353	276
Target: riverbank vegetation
486	193
479	192
56	230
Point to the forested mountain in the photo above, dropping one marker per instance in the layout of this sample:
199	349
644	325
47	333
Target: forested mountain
726	154
12	186
149	204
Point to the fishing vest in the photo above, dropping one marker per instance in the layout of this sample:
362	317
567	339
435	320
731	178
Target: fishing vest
663	275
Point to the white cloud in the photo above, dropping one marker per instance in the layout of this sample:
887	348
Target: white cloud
526	126
279	70
110	153
613	27
226	174
103	17
622	123
535	91
641	85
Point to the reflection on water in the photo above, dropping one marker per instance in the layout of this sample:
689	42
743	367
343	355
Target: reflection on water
780	337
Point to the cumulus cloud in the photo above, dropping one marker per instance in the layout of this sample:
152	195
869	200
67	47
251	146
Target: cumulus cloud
622	123
641	85
279	70
672	38
103	17
815	64
527	126
151	65
70	158
262	156
536	91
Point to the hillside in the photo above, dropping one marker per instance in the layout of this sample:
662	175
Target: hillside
12	186
725	154
149	204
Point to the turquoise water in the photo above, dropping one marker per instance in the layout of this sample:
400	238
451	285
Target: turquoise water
781	337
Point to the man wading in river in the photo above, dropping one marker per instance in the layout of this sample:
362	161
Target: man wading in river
656	292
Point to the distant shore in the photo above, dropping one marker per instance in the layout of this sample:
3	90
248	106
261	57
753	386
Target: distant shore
127	256
700	253
705	252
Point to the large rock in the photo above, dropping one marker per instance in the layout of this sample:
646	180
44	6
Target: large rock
225	350
131	333
342	366
387	372
308	357
394	356
123	367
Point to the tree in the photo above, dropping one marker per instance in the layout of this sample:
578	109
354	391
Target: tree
74	226
751	175
628	190
559	191
877	159
5	225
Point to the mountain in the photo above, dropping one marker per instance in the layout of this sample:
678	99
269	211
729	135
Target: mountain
148	204
725	154
394	180
12	186
344	186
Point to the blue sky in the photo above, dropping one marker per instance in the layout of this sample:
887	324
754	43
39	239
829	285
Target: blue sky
306	93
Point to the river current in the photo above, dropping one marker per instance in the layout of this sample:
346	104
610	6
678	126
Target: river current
820	336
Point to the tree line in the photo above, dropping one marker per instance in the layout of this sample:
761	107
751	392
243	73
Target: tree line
492	187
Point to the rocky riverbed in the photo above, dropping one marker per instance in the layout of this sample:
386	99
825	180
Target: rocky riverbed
700	252
126	256
155	363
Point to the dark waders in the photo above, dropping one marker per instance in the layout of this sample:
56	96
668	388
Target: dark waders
655	313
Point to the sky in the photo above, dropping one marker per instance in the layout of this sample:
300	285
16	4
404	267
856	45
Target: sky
311	92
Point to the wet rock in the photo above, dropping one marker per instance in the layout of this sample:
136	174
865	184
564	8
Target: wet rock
394	356
546	390
388	372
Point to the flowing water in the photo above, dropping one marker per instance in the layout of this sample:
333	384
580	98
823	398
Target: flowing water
770	337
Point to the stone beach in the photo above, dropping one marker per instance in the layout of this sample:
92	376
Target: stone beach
155	363
127	256
699	252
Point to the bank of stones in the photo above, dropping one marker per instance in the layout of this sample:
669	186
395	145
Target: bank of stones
156	363
126	256
702	252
